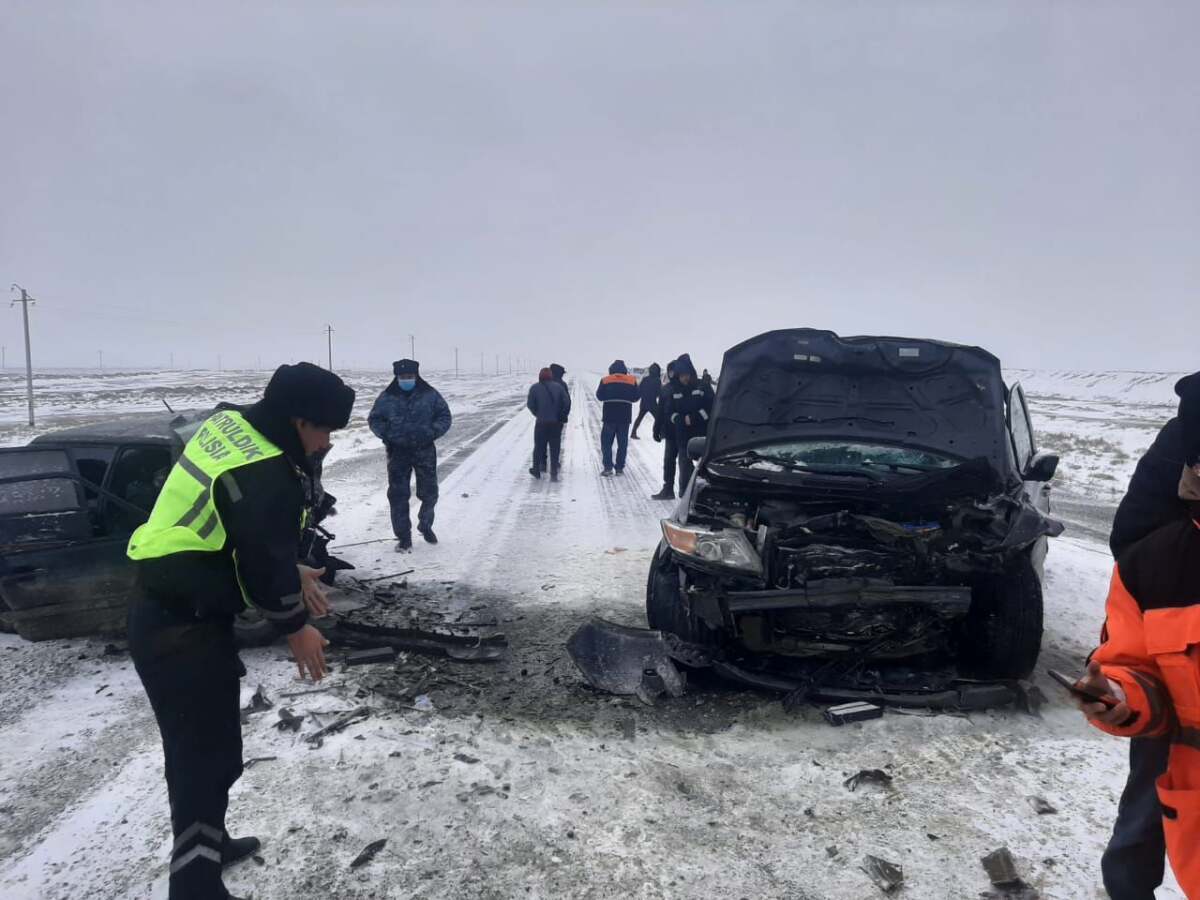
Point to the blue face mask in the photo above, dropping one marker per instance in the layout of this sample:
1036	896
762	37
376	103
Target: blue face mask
406	384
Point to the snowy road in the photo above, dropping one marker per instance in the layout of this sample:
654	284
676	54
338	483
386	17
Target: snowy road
523	783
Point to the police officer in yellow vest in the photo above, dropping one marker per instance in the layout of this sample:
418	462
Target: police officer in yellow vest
224	535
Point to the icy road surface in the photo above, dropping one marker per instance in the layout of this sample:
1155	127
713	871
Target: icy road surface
521	782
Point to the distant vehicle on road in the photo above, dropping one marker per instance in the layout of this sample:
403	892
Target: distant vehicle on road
870	513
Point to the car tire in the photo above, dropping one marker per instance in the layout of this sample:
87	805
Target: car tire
250	629
666	610
1003	633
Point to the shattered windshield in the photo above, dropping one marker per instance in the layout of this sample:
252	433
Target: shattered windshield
840	457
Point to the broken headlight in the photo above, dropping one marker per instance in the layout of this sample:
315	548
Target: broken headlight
729	548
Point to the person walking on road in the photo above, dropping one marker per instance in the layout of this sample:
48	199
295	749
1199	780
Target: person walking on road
551	407
1132	864
559	374
618	392
691	404
664	432
224	534
648	388
409	417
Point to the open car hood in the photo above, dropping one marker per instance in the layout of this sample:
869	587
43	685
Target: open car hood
805	384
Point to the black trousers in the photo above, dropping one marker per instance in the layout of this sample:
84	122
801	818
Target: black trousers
686	466
191	672
547	436
1133	863
401	465
670	457
638	421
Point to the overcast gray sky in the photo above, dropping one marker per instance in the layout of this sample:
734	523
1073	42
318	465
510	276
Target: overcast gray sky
580	182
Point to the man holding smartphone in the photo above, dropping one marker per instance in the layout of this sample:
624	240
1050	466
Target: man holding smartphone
1133	861
1155	594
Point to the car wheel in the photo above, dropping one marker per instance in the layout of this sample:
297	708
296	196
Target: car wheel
666	609
250	629
1003	633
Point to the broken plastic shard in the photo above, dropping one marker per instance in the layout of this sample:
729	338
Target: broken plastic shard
888	877
368	853
423	703
625	661
1001	868
1042	806
868	776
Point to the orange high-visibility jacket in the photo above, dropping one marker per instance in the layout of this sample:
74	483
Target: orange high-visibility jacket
1151	647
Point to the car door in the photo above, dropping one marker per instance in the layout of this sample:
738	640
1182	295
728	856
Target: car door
137	476
1024	443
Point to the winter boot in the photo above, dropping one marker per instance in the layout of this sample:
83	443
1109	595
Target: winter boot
665	494
607	473
427	533
404	543
535	473
236	849
554	477
620	471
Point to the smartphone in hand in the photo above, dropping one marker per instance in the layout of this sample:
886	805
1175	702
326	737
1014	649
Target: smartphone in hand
1078	690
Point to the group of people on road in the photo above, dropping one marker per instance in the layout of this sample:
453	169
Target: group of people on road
680	406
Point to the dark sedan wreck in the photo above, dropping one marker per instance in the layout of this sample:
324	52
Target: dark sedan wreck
869	517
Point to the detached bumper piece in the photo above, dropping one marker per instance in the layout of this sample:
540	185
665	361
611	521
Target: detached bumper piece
848	713
631	661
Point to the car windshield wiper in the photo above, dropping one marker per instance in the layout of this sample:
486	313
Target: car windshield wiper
922	468
747	458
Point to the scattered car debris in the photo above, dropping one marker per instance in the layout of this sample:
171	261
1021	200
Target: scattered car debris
625	661
1030	698
101	688
831	852
1042	806
868	776
260	702
367	657
848	713
1001	868
888	877
289	721
258	759
368	853
317	738
465	758
114	650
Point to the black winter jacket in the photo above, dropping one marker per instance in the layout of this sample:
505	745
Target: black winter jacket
1152	499
410	420
690	407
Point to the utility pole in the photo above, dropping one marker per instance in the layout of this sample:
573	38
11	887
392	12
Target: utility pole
455	362
101	352
3	357
219	362
481	372
497	363
25	301
329	336
412	347
172	359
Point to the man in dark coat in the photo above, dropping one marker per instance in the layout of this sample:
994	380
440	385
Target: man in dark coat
665	433
648	388
618	392
1133	862
409	417
224	534
551	407
690	406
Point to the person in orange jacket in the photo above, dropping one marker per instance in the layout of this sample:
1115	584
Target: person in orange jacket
1149	662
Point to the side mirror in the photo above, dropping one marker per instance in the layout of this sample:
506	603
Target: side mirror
696	447
1042	467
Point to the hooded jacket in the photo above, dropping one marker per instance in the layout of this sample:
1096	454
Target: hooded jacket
1152	499
409	420
649	387
618	391
689	405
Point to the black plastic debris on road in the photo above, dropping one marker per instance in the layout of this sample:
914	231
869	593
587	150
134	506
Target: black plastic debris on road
625	661
260	702
868	776
888	877
848	713
373	655
369	852
1001	869
289	721
1042	806
317	738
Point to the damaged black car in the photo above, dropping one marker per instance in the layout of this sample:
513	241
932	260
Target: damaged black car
869	515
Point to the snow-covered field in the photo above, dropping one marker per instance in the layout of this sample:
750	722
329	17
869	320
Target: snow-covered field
520	782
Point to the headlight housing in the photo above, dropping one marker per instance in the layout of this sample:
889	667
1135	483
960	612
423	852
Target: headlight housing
729	548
